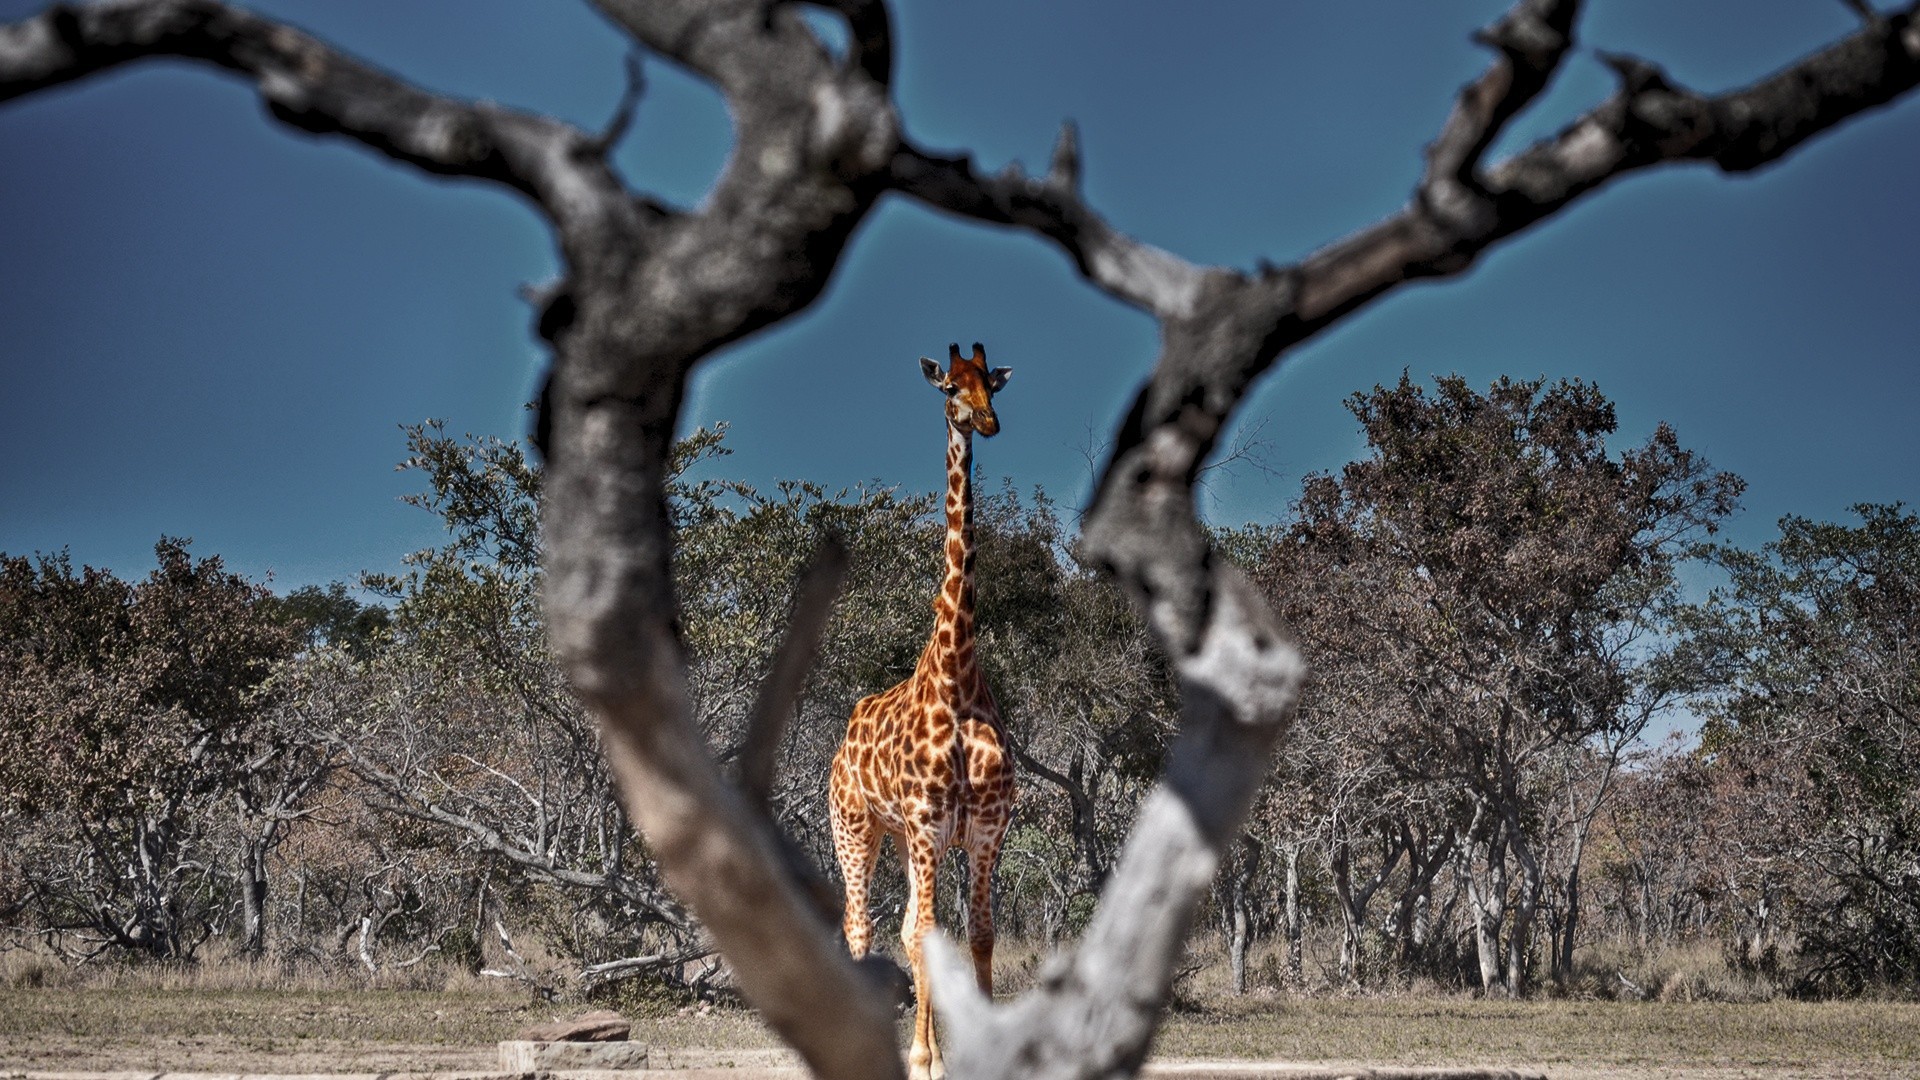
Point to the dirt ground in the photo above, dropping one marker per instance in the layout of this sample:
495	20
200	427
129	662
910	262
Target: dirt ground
149	1031
229	1056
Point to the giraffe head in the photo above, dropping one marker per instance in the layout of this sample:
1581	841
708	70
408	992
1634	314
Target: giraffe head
969	387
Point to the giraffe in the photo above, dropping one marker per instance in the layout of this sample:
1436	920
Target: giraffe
926	762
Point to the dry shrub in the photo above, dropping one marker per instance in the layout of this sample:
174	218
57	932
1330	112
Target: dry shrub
1702	975
21	969
1697	972
1693	972
1016	964
29	968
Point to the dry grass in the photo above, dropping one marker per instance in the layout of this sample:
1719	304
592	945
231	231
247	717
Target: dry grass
23	970
254	1030
232	1014
1824	1038
231	1017
1697	972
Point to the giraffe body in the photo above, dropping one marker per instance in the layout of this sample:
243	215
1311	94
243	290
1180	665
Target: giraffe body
925	762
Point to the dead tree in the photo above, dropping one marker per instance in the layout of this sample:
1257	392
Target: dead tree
648	292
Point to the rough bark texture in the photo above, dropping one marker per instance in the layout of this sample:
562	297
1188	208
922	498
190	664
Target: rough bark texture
649	292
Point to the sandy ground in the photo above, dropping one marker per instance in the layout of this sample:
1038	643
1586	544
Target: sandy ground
305	1069
138	1036
216	1058
222	1056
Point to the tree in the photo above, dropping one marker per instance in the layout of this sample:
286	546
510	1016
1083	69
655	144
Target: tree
331	616
1811	658
1493	574
1090	708
460	731
150	703
648	292
1675	860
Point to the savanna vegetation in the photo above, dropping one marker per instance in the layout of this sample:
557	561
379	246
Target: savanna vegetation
1472	799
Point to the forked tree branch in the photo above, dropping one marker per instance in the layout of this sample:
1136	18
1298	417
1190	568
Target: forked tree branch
1531	41
648	294
1094	1011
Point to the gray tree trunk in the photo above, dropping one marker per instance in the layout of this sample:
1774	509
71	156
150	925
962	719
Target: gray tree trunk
1563	966
1295	929
1487	900
253	896
1240	910
1519	951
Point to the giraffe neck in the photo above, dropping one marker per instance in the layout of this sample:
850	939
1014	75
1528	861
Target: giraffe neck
951	649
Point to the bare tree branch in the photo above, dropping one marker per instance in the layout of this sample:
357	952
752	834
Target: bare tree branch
1864	10
312	86
818	587
1647	122
1095	1009
1460	210
813	600
634	965
622	119
1140	274
1531	40
870	37
810	136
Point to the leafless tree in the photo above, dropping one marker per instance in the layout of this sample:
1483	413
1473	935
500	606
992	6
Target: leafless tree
648	292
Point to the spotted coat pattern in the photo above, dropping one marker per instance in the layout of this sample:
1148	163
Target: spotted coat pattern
925	762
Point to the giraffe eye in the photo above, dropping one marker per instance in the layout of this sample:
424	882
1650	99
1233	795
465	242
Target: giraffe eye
950	389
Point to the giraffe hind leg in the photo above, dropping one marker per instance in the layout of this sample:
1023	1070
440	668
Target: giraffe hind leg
856	844
981	859
921	855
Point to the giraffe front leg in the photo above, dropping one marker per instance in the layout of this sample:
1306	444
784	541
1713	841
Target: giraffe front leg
923	1060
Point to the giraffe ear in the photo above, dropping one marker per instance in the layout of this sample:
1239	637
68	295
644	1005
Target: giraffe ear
931	369
998	377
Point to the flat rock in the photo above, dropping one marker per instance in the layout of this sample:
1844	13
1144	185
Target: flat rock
601	1025
529	1056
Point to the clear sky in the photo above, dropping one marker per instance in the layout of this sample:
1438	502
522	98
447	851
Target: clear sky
212	326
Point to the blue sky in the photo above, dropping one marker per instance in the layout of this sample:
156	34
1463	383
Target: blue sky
214	327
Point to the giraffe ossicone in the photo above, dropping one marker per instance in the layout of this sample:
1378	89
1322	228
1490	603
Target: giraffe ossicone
926	761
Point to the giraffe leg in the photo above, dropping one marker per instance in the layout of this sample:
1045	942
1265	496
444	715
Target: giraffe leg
980	863
856	844
922	859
